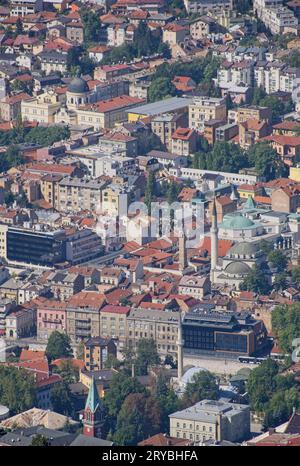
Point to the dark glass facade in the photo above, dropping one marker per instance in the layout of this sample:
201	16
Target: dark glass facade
35	247
219	332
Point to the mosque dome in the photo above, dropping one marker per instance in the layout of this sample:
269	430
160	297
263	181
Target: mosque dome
78	86
237	268
244	249
236	222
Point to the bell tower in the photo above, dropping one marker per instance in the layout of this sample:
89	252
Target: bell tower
93	418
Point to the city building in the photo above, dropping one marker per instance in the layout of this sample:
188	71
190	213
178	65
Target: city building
212	420
96	352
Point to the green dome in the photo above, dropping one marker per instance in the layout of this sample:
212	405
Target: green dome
236	222
244	249
237	268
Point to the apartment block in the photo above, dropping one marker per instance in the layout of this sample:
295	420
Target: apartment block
203	109
113	322
75	194
162	326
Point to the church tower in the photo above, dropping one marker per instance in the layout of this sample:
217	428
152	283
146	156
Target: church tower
214	242
93	413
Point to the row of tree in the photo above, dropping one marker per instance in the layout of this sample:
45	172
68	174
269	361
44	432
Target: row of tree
230	157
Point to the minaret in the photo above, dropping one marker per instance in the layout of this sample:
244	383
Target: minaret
93	413
180	344
182	253
214	242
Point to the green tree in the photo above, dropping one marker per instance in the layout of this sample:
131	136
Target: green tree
139	418
91	25
173	191
286	325
68	371
59	346
278	259
80	350
151	190
19	26
161	88
224	156
255	281
262	384
40	441
280	281
296	275
266	161
121	386
167	399
146	355
61	400
17	389
203	385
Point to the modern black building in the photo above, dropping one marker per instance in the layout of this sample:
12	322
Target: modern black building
30	246
222	334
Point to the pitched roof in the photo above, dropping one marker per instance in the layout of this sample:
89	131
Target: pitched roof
93	400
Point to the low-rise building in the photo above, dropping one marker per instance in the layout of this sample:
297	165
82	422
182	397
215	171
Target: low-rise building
96	352
212	420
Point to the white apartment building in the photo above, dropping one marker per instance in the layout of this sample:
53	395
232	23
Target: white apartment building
204	109
260	5
280	20
25	7
275	76
205	6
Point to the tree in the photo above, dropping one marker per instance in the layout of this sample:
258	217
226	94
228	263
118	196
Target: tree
271	394
296	275
255	281
203	385
224	156
59	346
151	190
266	161
280	407
286	325
61	401
280	281
47	136
80	350
68	371
139	418
146	355
121	386
278	259
19	26
17	389
161	88
243	6
258	94
262	383
173	191
40	441
167	399
91	25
